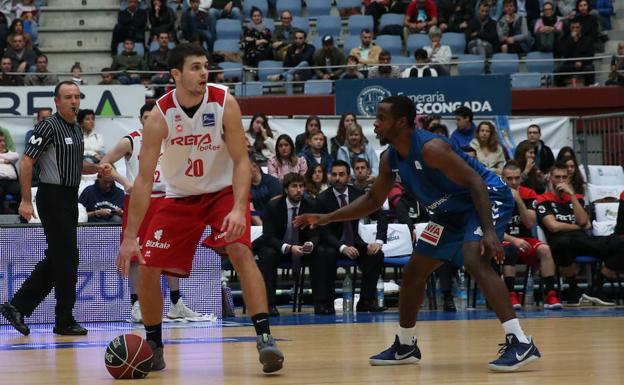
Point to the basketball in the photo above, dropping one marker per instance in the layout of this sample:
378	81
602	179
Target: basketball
128	356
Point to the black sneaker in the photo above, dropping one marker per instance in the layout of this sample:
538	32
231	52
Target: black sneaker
158	358
69	329
449	304
15	318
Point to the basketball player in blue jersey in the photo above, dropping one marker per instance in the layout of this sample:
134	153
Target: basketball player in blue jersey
469	206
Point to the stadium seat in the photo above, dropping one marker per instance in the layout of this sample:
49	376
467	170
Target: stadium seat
248	89
475	65
504	63
402	62
455	40
229	29
351	41
294	6
526	80
262	4
416	41
390	19
227	45
268	23
318	8
269	67
345	4
357	23
301	23
597	192
232	71
605	175
328	25
317	87
606	211
545	65
391	43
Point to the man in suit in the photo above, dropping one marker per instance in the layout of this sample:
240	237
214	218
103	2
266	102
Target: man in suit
281	241
343	240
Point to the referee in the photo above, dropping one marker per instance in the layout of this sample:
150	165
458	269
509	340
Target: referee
57	146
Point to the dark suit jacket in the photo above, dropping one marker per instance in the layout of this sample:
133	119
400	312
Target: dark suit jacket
328	202
275	218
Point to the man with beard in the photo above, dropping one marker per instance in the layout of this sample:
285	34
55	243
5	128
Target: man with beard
298	58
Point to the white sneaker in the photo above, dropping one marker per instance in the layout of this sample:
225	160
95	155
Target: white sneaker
181	311
135	313
391	287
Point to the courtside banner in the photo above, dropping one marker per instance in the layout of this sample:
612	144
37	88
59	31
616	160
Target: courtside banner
485	95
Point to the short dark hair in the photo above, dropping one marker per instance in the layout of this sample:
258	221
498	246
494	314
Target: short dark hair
511	165
440	129
298	30
43	109
82	114
421	54
342	163
178	55
464	112
559	165
505	2
145	108
539	129
57	89
365	30
402	106
385	52
292	177
353	58
361	160
42	55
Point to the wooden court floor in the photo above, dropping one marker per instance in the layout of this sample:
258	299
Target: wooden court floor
582	350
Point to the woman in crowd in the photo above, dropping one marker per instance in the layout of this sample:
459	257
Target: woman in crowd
161	19
93	142
315	181
286	159
260	139
439	55
346	121
565	151
589	22
531	176
356	147
548	29
17	28
489	151
574	175
312	126
256	40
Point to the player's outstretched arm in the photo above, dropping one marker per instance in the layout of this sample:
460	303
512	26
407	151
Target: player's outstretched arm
121	149
360	207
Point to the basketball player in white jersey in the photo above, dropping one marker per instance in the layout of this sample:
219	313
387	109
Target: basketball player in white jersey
208	175
128	148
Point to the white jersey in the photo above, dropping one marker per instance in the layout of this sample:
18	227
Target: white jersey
195	159
132	165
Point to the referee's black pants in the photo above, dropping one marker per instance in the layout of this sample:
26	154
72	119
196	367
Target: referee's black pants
58	211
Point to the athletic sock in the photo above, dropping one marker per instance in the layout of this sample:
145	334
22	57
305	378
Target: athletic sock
174	295
406	335
513	327
549	283
261	323
572	283
134	298
154	333
510	282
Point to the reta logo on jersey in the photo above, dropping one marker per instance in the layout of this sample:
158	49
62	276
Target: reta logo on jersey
203	142
157	244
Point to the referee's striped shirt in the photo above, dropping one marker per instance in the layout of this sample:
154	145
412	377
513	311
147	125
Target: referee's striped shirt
58	147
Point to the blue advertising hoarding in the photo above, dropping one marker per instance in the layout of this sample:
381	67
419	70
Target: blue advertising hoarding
485	95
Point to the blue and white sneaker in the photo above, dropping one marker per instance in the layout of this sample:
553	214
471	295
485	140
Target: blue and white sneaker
397	354
514	355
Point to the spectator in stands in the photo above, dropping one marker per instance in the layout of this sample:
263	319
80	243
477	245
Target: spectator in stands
422	68
42	113
616	75
352	71
544	157
257	40
8	139
376	8
103	200
157	60
439	55
260	139
316	180
399	6
344	242
589	22
513	30
4	32
362	178
482	34
312	126
283	242
264	187
315	152
574	174
22	58
355	147
564	220
605	10
196	25
9	80
298	56
286	159
329	59
76	74
131	24
346	120
161	19
531	176
547	30
17	28
465	130
93	142
454	15
384	69
526	248
25	9
41	76
9	183
108	78
529	9
283	37
368	52
489	151
577	45
128	60
439	129
567	9
565	151
419	17
224	9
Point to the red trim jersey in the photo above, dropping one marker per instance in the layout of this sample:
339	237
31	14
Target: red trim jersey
195	159
551	204
515	227
132	165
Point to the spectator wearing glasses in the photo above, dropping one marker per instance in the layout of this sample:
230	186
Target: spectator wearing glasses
547	30
41	77
284	36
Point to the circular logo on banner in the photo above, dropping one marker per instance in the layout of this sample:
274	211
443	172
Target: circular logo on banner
368	99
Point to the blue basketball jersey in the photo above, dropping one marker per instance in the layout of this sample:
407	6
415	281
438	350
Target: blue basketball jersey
433	189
